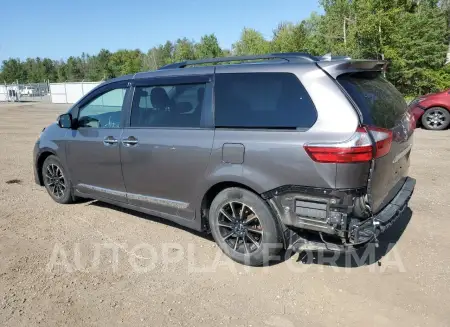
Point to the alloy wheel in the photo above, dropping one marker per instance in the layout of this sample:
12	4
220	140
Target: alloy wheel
55	181
240	227
435	118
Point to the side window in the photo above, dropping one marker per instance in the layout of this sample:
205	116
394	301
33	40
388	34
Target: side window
168	106
262	100
105	111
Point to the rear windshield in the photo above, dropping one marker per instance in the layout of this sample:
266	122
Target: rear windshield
380	103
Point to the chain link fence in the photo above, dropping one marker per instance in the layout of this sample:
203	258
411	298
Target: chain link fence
17	92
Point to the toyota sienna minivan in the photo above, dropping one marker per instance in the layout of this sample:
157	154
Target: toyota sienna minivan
265	152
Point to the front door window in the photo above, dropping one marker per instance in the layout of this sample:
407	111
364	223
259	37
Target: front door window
104	111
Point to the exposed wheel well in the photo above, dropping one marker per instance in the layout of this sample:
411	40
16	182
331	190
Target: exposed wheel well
211	194
40	162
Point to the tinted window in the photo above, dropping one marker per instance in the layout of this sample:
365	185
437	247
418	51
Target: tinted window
380	103
262	100
168	106
104	111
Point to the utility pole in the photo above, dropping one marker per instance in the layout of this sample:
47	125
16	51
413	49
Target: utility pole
346	19
345	33
381	45
154	59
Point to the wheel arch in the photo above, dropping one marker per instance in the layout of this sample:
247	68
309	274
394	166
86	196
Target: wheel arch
218	187
215	189
436	105
212	192
40	162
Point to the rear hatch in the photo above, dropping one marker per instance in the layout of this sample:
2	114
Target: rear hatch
382	106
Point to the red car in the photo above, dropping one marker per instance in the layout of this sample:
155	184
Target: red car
432	111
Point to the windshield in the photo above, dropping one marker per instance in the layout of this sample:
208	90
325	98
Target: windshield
380	103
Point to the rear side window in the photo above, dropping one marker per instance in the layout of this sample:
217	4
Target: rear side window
178	106
380	103
262	100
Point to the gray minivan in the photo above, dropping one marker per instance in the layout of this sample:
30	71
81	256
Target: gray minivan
272	152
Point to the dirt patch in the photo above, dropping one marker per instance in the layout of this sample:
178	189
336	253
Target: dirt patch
14	181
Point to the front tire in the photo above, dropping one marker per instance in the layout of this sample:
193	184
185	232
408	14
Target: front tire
244	227
436	118
56	180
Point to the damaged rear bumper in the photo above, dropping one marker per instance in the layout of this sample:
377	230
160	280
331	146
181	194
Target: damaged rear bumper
371	228
328	214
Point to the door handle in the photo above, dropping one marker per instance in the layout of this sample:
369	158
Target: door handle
130	141
109	140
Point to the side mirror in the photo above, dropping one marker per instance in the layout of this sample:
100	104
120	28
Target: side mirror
65	121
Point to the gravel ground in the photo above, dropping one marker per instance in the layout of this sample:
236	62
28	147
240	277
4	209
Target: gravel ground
92	264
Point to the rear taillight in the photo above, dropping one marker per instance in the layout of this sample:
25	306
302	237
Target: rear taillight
357	149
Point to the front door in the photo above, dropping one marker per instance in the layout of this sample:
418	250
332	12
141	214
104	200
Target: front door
165	149
93	151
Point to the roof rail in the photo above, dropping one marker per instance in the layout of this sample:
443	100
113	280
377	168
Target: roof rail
303	55
288	56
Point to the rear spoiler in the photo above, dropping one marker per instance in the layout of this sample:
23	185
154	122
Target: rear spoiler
339	67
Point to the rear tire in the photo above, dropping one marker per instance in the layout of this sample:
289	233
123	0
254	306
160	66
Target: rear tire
56	180
436	118
244	227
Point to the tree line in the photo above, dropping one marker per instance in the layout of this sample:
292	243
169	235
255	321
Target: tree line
413	35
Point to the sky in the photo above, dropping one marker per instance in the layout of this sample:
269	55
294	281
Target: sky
58	29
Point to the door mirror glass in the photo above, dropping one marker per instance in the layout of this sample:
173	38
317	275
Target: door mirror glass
87	121
65	121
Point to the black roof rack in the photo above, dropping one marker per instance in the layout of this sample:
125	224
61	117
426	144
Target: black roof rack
288	56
